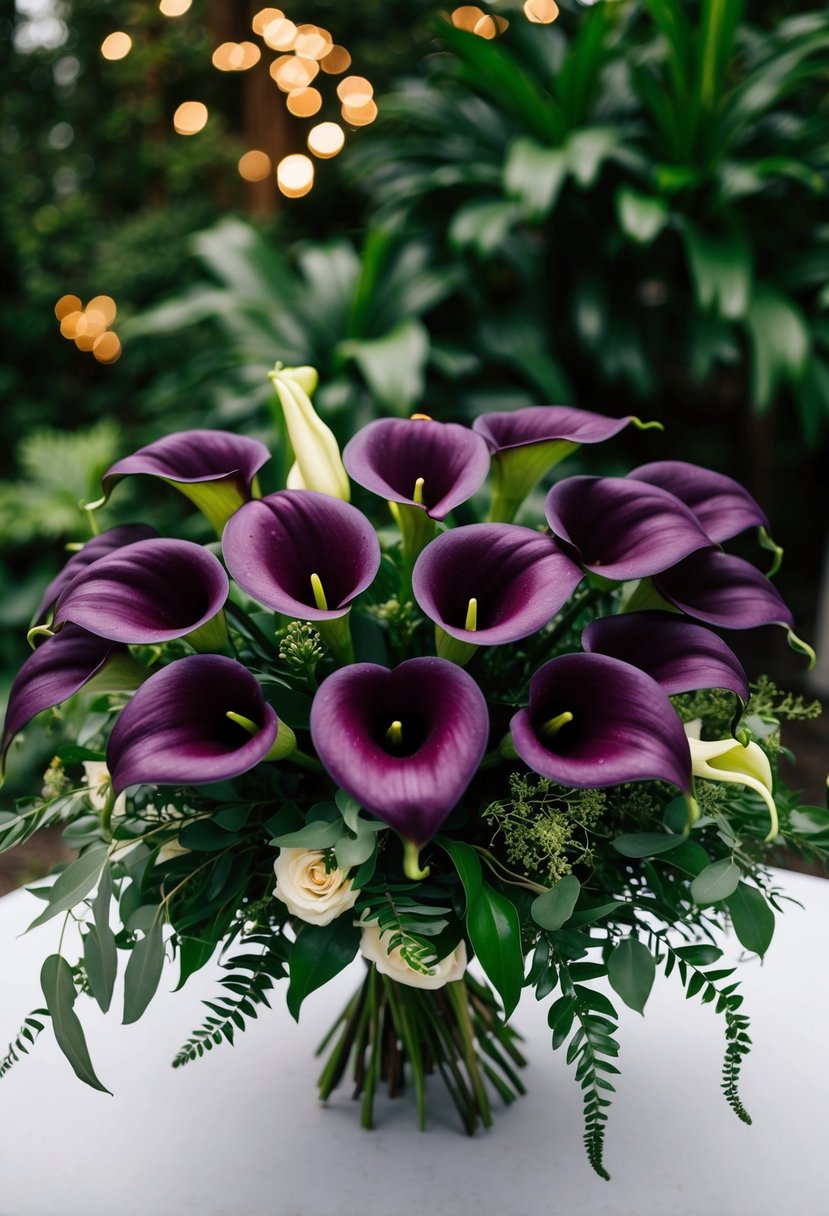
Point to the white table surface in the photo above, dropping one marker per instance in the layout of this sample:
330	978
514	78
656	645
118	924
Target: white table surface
240	1132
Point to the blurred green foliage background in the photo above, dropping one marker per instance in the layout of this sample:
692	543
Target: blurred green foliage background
625	210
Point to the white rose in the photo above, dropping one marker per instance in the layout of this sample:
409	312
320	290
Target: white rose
311	892
100	783
391	963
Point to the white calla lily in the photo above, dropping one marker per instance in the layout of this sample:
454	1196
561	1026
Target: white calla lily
318	464
729	760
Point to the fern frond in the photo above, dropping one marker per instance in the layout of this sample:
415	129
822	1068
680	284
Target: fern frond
250	977
29	1031
410	923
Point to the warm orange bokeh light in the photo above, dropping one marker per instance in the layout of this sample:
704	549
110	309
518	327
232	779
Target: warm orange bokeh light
264	17
337	60
485	27
174	8
236	56
541	12
279	35
304	102
313	41
66	305
467	17
293	72
190	118
107	348
255	166
116	46
105	306
295	175
69	323
360	115
326	139
355	90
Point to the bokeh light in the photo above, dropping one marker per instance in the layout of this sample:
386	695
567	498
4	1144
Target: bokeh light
66	305
467	16
190	118
174	8
326	139
295	175
313	41
541	12
236	56
255	166
116	46
336	61
264	17
105	305
355	91
69	323
485	27
360	115
293	72
107	348
279	35
304	102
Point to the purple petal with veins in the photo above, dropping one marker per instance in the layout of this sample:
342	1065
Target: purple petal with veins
150	591
194	456
390	455
679	655
175	730
273	545
518	579
545	424
623	727
405	743
622	529
98	546
54	672
721	504
723	590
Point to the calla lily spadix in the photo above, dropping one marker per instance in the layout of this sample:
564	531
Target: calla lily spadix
405	742
59	668
593	720
317	461
734	762
622	529
527	443
182	726
98	546
216	470
679	655
147	592
488	584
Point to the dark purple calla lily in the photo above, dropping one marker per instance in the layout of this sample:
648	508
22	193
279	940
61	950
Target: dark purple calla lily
432	465
214	469
405	742
678	654
175	730
506	580
721	504
274	546
98	546
146	592
723	590
527	443
56	671
595	721
622	529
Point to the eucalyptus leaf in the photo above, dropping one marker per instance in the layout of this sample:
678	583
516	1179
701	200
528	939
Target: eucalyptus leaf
716	882
631	970
143	972
555	907
60	995
319	835
100	959
74	883
752	918
645	844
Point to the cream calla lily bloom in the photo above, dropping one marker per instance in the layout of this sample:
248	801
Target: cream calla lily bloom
318	464
729	760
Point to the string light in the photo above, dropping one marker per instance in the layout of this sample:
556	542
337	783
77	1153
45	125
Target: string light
264	17
360	115
116	46
107	348
174	8
105	306
293	72
67	305
313	41
295	175
190	118
255	166
236	56
326	139
303	103
89	327
355	90
336	61
541	12
466	17
279	35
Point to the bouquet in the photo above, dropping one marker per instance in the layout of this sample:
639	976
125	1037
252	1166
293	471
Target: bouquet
416	740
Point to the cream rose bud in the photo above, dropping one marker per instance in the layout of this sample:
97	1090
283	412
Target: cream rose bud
391	963
311	892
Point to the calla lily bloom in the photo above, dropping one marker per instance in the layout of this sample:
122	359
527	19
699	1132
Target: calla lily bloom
593	720
723	590
98	546
214	469
487	584
527	443
678	654
721	504
731	761
622	529
52	674
318	464
202	719
302	553
405	742
434	466
150	591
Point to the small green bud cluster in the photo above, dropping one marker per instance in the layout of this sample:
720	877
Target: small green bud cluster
301	645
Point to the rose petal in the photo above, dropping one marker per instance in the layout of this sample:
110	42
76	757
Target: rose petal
723	590
721	504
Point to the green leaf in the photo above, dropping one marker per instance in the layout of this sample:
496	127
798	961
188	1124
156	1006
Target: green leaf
319	835
100	953
483	226
319	953
811	822
74	883
394	366
689	857
645	844
70	753
631	970
59	993
722	270
534	176
716	882
641	217
495	933
143	972
555	907
752	918
780	344
701	955
466	862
